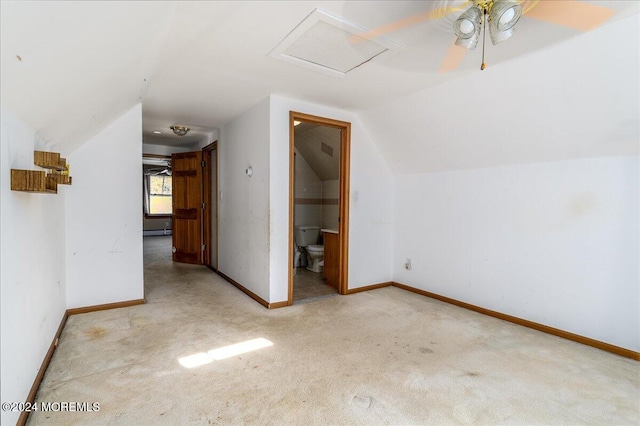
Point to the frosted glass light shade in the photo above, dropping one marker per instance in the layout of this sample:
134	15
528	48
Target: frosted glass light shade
467	28
506	17
505	14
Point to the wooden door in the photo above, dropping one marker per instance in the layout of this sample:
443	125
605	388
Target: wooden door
187	207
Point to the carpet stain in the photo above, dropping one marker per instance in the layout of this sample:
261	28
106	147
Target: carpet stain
425	350
96	332
361	401
472	374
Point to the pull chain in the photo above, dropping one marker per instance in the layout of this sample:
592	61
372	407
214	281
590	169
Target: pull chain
484	39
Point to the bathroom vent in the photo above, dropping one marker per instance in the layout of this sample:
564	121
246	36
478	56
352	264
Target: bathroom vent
330	44
326	149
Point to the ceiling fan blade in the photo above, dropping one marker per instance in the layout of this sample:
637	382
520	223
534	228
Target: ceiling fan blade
453	58
573	14
436	13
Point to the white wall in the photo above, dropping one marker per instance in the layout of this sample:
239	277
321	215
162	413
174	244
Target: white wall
213	243
517	187
103	220
254	211
243	242
213	135
371	214
308	189
555	243
32	266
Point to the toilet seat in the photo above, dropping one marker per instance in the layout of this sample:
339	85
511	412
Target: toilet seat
315	248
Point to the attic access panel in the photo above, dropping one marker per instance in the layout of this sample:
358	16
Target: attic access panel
330	44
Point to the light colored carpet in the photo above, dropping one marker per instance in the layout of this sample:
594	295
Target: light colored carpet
381	357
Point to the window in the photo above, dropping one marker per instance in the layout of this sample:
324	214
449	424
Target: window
158	195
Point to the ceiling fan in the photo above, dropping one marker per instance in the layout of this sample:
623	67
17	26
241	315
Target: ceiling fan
466	18
165	171
164	168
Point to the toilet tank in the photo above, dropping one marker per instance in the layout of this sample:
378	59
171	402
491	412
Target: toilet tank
307	235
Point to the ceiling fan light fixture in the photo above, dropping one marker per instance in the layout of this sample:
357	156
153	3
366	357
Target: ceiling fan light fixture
180	130
467	28
503	17
498	36
505	14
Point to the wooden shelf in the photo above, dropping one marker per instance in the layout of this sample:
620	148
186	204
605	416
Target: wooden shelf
33	181
41	181
49	160
60	178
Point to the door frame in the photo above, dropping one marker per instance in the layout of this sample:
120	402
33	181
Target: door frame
207	192
343	215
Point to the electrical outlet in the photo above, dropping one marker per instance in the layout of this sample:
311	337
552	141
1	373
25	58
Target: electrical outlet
407	264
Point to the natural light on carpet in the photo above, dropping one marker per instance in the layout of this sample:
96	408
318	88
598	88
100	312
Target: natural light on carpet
202	358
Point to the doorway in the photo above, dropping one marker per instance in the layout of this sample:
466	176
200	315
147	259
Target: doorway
210	193
334	234
187	190
195	207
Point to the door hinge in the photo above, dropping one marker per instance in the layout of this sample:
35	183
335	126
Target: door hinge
202	163
203	205
203	247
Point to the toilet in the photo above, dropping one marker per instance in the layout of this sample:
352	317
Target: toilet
306	237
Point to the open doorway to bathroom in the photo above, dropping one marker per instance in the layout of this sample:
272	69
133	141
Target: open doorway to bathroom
318	215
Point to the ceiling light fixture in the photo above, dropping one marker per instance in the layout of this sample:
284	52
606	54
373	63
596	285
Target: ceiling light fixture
180	130
502	16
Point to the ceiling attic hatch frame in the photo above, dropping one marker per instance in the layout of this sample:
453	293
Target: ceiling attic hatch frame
331	45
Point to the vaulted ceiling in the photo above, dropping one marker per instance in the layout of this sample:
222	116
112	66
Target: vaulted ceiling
71	68
320	147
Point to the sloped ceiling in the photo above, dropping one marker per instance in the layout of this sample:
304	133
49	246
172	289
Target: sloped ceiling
578	99
320	147
70	68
